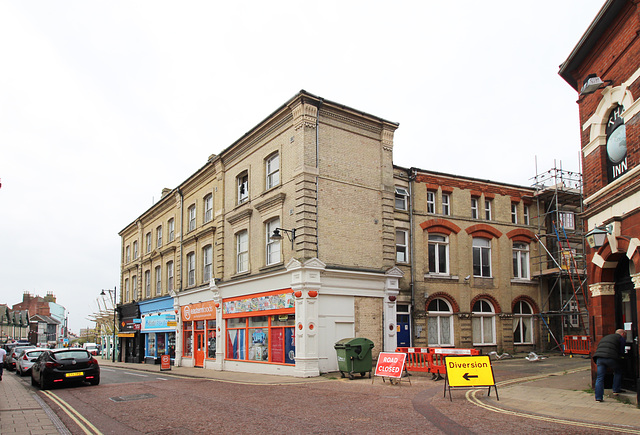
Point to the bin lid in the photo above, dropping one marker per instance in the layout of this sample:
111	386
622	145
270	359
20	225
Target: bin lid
352	342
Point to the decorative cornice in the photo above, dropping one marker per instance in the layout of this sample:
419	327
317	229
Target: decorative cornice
602	289
240	216
304	115
274	201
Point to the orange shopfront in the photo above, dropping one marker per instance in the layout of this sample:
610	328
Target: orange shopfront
260	327
199	331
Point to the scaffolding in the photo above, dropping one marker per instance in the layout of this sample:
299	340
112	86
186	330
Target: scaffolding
561	264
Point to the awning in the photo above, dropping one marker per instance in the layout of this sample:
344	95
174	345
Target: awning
126	334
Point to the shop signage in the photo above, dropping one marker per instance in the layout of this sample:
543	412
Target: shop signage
199	311
615	131
158	321
260	303
469	371
165	362
390	364
137	320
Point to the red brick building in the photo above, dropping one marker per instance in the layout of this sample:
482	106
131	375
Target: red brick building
35	304
604	68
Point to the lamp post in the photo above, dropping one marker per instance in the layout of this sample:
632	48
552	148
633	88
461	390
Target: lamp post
113	342
597	236
291	234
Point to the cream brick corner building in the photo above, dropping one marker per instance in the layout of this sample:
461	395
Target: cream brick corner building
319	173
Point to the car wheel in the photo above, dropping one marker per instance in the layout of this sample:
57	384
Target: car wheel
19	371
95	381
44	385
33	381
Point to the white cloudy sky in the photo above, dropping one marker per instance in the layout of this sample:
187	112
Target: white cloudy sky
104	103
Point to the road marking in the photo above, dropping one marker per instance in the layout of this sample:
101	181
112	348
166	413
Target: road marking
471	397
137	374
89	429
162	379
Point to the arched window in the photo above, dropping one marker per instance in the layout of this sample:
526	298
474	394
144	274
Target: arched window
522	323
439	323
272	247
483	323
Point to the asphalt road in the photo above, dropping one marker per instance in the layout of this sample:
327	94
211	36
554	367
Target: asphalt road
133	402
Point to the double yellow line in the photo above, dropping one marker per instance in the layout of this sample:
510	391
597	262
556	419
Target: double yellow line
471	397
82	422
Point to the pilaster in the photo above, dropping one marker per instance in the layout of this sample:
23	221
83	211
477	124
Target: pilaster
306	284
391	291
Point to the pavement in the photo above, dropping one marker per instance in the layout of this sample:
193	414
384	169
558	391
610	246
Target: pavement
556	388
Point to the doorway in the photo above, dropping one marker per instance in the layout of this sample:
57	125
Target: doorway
627	319
199	350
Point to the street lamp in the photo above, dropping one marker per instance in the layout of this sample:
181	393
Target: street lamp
597	236
113	342
291	234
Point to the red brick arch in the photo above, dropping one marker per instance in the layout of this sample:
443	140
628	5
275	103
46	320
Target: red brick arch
440	226
483	230
521	235
490	298
445	296
606	274
527	299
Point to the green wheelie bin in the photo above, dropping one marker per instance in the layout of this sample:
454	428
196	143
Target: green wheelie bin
354	356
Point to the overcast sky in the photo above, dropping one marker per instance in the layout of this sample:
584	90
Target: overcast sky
104	103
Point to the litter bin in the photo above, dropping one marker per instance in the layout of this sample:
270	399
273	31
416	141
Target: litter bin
354	356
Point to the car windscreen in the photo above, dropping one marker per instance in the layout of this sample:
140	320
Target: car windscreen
71	354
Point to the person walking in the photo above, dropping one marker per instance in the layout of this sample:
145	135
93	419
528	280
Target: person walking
608	355
3	355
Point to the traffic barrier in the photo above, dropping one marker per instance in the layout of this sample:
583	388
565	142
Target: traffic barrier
577	344
439	354
431	359
417	358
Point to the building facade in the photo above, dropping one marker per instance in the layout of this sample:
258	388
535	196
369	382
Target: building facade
465	247
604	69
244	300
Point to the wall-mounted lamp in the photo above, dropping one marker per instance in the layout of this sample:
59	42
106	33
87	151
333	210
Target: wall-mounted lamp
291	234
592	83
597	236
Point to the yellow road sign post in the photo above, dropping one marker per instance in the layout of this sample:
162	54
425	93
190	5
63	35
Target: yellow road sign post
468	372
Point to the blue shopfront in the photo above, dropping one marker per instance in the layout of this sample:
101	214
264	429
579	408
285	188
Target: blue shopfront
158	328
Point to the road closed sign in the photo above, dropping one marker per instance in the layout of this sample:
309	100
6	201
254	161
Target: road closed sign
469	371
390	364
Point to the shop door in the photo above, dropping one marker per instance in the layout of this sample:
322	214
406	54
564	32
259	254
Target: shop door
627	319
199	348
404	336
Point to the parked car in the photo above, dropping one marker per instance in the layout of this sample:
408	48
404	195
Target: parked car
61	366
12	357
92	348
26	359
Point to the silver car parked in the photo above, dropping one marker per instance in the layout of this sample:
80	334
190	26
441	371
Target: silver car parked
12	357
26	359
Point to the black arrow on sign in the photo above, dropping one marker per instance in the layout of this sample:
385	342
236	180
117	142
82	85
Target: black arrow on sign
466	376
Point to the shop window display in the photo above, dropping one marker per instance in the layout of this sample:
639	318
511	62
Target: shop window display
188	339
265	338
211	338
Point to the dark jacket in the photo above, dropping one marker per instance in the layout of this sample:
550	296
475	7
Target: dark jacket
611	346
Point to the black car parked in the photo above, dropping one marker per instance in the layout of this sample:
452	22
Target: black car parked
61	366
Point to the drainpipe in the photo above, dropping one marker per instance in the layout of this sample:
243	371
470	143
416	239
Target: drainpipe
181	232
317	169
412	176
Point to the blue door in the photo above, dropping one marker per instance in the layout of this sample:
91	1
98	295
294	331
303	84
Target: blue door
403	333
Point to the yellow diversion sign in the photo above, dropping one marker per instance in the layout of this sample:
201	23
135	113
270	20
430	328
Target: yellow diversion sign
469	372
